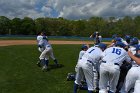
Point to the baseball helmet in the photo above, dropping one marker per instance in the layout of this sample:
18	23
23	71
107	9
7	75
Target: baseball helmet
127	37
137	47
118	39
120	44
134	41
84	47
114	36
102	46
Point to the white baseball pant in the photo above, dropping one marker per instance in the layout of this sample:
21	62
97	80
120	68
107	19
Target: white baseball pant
108	73
86	68
131	78
137	87
47	52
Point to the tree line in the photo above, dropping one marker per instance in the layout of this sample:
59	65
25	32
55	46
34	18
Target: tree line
65	27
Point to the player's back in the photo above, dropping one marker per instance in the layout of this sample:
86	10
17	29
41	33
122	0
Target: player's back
115	55
93	54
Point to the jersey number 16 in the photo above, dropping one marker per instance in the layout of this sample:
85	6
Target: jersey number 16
116	51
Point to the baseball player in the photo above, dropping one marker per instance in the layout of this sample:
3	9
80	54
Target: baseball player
86	64
110	67
40	36
114	41
48	51
97	37
133	43
114	36
132	75
127	38
81	53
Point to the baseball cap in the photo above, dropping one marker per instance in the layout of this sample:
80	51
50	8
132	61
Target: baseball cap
84	47
102	46
120	44
137	47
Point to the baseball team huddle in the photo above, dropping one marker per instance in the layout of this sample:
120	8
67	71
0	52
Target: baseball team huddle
105	69
110	69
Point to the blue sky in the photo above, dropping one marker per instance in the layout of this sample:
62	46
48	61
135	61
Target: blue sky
70	9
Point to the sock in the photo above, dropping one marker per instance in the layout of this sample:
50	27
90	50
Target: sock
46	62
89	91
110	92
84	87
75	88
56	62
43	62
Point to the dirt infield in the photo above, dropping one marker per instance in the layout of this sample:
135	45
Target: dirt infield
32	42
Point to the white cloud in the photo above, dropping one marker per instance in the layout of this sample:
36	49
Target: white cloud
19	8
71	9
74	9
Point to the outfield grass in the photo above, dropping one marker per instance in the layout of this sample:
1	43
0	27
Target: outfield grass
19	73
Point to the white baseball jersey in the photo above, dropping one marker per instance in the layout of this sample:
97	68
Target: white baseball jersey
115	55
85	66
44	43
113	58
82	52
39	37
93	54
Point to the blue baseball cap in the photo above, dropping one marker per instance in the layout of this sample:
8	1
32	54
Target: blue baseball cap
137	47
120	44
84	47
119	39
102	46
127	37
134	41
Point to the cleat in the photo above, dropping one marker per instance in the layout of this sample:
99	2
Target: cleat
38	64
44	68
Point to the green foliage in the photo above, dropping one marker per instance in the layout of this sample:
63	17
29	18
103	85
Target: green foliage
64	27
16	26
19	73
4	25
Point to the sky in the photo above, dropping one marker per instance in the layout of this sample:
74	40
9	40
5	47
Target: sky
69	9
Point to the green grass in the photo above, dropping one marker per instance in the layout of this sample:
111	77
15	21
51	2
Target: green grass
19	73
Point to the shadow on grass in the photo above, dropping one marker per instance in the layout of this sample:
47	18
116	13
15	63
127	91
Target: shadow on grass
53	66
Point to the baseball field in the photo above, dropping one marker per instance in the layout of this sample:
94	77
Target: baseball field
19	73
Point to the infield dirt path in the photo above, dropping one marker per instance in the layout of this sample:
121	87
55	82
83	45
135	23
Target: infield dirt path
32	42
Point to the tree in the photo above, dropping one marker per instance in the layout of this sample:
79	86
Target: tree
15	26
4	25
27	26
